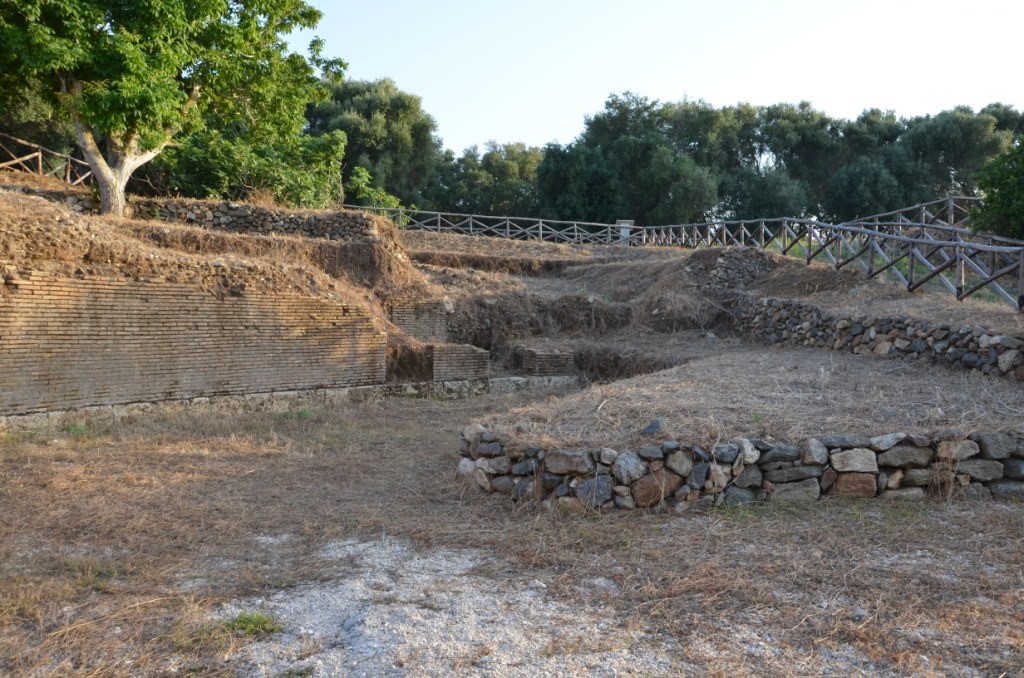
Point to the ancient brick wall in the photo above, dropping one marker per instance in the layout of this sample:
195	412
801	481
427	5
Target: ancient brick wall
459	361
426	320
67	343
548	362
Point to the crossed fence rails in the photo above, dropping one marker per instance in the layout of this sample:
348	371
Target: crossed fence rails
926	243
18	154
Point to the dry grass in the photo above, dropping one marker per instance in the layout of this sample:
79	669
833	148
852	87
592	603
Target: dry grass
119	544
782	393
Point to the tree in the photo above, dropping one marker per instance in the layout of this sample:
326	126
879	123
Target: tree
501	180
950	147
389	134
1002	183
132	75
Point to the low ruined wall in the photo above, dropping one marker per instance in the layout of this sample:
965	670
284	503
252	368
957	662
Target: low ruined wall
237	217
241	218
687	477
969	347
69	343
459	361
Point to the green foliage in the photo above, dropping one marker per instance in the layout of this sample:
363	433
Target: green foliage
389	135
1002	183
76	430
360	186
301	171
686	161
502	180
132	75
27	113
294	415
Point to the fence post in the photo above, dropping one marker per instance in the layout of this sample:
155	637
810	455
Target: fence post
961	274
625	228
910	265
1020	282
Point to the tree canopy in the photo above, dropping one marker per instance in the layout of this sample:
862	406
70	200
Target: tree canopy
687	161
388	133
133	75
1002	184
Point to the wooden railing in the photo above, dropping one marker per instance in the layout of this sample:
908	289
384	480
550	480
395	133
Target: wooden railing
24	156
926	244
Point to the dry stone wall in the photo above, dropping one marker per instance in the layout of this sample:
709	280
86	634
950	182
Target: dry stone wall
968	347
69	343
243	218
689	477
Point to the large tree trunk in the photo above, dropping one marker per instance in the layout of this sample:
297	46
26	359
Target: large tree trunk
112	176
113	172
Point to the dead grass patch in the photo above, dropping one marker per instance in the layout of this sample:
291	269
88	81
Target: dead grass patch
173	516
781	393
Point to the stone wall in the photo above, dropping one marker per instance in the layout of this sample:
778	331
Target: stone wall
244	218
69	343
688	477
969	347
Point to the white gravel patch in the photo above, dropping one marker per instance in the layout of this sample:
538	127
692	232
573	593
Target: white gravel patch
403	612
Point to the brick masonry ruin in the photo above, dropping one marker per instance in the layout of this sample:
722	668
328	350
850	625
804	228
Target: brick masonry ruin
85	342
70	343
424	319
687	477
459	361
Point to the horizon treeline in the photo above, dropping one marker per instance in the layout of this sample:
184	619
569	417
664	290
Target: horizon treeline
673	162
651	161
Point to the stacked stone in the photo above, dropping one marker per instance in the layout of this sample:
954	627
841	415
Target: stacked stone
969	347
688	477
738	267
242	218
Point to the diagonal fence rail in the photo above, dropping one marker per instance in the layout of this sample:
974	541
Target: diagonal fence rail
24	156
920	245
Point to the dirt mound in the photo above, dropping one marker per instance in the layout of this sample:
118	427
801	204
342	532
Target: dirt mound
42	235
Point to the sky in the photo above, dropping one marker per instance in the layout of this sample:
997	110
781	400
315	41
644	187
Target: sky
531	70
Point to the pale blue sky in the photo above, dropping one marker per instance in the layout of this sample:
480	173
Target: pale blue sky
531	70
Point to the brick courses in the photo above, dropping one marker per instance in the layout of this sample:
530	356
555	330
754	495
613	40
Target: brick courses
67	343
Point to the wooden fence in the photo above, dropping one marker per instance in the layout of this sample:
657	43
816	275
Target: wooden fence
924	244
919	245
18	154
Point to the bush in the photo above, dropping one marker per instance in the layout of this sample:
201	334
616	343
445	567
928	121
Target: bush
300	172
1002	183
